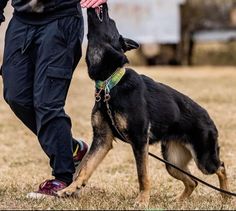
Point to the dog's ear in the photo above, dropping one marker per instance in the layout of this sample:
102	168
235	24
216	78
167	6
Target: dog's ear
128	44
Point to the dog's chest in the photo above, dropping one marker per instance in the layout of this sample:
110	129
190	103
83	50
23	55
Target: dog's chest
99	120
121	122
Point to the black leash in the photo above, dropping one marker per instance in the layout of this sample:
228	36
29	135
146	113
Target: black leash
193	177
109	112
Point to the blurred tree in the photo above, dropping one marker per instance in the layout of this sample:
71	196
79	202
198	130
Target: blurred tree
203	14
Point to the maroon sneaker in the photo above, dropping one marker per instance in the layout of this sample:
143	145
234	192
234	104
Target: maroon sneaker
80	152
48	188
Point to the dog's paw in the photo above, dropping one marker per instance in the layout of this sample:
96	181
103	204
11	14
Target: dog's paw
142	201
226	197
69	191
187	191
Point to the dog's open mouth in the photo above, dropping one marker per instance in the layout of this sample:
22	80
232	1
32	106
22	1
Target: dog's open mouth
99	12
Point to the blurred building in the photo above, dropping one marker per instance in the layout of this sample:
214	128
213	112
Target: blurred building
155	24
168	29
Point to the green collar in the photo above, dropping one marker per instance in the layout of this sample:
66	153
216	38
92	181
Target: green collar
112	81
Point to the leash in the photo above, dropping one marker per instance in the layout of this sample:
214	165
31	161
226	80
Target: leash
107	97
192	176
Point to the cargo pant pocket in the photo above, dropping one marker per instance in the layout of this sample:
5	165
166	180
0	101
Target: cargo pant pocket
56	84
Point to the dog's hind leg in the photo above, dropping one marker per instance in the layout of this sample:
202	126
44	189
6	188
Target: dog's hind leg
102	143
222	176
179	155
140	149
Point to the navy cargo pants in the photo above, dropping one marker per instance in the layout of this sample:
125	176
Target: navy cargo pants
38	65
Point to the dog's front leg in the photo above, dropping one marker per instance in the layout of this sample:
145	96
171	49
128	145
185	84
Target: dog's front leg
140	150
102	143
98	151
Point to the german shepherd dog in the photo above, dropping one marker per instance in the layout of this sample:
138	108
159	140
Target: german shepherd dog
146	112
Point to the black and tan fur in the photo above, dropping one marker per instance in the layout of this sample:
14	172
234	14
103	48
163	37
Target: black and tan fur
146	112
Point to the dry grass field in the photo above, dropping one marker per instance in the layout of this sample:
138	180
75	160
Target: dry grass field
23	165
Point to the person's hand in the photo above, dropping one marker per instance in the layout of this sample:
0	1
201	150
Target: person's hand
91	3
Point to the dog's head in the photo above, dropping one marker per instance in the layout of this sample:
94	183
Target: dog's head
106	47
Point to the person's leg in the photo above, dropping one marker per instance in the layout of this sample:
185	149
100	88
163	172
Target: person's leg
18	73
58	52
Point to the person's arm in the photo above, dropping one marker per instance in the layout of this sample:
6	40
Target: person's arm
3	4
91	3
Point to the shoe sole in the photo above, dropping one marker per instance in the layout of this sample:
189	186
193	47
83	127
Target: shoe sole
34	195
